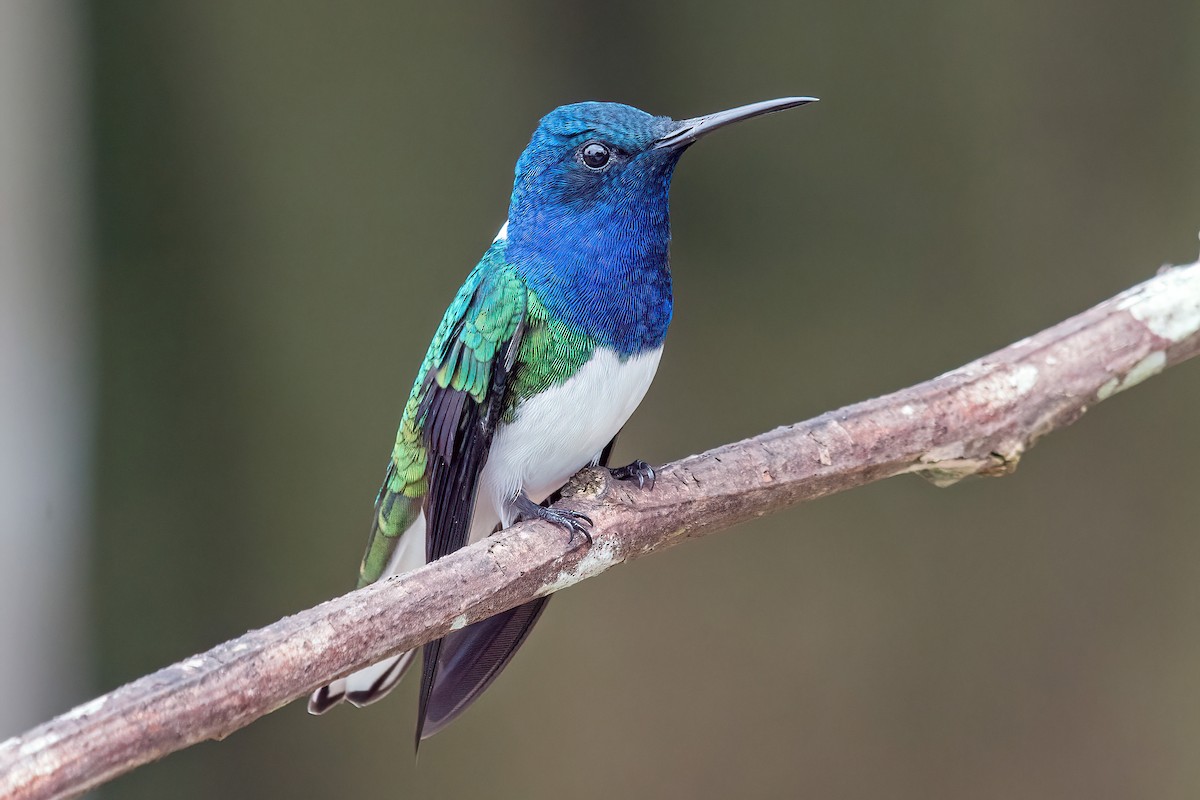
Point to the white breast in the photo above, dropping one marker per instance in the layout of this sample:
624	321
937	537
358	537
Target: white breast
563	429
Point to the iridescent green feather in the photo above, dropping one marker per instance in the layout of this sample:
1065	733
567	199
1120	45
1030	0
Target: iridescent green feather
483	317
550	352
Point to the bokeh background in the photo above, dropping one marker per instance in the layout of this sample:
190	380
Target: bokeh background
231	227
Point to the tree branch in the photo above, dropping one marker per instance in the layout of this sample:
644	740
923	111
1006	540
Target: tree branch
977	420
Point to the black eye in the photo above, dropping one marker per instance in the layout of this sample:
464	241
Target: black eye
594	155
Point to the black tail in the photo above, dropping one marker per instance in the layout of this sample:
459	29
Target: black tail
470	659
462	665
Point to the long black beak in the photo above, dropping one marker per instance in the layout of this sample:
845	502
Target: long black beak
690	130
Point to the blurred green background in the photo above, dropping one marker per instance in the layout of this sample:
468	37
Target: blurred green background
284	197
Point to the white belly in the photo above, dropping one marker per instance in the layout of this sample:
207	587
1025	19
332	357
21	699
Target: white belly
563	429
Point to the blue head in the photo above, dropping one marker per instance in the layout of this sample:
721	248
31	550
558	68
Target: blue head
589	170
588	223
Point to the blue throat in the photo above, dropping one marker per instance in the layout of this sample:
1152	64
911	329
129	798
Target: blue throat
599	262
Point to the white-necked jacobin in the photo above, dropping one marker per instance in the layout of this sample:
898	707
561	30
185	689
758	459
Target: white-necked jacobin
545	352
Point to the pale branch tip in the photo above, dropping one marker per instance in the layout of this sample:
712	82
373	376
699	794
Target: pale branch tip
976	420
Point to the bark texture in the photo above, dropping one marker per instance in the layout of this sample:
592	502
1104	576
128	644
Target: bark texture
976	420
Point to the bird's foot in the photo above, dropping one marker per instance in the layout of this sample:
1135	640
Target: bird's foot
572	521
638	471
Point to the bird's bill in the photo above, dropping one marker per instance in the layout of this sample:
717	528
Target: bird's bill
690	130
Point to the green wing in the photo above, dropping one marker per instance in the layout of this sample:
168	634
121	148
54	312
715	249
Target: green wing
463	377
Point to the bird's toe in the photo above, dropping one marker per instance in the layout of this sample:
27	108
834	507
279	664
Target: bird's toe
638	471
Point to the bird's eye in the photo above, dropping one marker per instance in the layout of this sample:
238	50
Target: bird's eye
594	155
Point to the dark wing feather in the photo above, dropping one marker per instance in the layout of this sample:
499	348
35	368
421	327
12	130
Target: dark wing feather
459	426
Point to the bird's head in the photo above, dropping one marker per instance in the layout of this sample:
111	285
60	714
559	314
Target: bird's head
603	170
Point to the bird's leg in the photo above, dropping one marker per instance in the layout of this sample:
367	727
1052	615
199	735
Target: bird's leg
638	471
573	521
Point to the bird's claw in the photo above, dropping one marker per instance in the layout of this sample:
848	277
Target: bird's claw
638	471
573	521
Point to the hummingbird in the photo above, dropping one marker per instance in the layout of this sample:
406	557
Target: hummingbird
541	358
